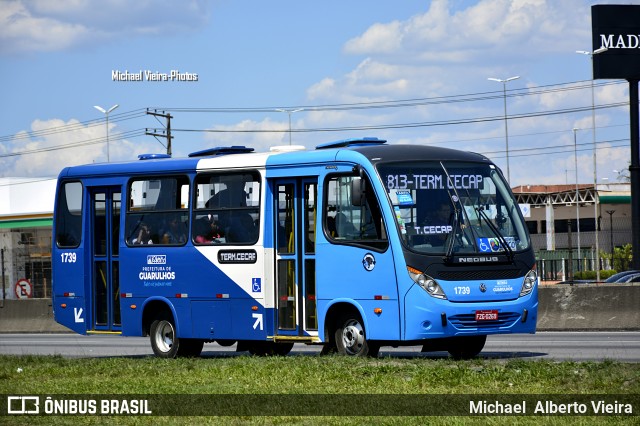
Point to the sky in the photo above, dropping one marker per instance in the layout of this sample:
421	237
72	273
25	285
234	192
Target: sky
407	71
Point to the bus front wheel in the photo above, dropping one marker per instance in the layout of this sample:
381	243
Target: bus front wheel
466	347
166	344
350	338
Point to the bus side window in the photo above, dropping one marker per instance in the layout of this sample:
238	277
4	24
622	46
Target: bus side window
231	204
356	220
69	215
157	211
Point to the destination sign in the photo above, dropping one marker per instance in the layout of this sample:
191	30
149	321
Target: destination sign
237	256
434	181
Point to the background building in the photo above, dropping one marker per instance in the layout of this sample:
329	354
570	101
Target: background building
553	225
26	212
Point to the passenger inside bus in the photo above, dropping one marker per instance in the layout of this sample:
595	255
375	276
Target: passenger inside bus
344	227
233	220
208	232
435	225
174	231
331	226
144	235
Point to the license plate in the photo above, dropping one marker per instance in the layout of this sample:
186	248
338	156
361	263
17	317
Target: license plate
490	315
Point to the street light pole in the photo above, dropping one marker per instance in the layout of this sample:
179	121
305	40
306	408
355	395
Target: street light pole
290	111
595	163
106	112
506	130
610	213
575	158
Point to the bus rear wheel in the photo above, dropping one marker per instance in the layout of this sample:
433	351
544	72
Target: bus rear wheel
166	344
350	338
466	347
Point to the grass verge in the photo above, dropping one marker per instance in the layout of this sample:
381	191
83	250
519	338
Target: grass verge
322	375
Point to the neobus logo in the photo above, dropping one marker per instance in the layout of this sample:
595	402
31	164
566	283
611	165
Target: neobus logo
157	259
478	259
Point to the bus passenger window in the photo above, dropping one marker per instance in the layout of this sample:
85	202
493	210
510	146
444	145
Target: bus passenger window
350	218
157	211
69	215
227	208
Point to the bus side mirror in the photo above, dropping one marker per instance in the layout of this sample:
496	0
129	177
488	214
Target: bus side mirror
357	192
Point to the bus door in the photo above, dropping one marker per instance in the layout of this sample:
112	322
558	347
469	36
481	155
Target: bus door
105	285
295	243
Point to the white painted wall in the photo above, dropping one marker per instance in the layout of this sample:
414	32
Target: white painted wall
24	196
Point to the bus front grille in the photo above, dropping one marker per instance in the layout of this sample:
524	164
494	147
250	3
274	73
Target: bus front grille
465	275
468	321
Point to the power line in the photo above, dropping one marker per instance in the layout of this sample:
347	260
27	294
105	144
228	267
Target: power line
73	127
364	105
412	125
501	137
26	182
136	133
413	102
558	149
94	141
437	100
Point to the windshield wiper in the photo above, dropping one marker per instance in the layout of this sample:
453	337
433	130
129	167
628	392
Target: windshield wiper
455	201
496	232
452	236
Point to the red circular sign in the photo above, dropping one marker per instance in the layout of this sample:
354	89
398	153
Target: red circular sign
23	289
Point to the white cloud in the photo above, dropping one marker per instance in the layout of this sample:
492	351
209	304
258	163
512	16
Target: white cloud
317	90
21	31
488	27
452	49
47	155
561	97
610	94
260	135
444	51
44	25
612	158
385	38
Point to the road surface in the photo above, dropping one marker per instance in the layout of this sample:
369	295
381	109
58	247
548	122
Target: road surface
560	346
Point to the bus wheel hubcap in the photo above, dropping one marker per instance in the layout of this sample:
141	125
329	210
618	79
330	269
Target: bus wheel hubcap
165	336
353	336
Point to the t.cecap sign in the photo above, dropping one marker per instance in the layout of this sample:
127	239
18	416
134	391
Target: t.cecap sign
616	28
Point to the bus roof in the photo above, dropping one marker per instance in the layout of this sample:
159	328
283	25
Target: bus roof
373	149
378	153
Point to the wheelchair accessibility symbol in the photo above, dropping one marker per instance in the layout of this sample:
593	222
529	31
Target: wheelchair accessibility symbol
488	245
256	285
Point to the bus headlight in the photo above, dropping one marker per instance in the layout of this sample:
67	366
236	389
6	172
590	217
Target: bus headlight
529	282
427	283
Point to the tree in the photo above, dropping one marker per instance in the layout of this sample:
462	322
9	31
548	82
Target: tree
622	257
624	175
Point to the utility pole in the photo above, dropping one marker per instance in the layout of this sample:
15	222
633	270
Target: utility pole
166	133
4	291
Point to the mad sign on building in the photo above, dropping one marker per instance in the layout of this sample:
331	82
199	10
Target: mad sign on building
617	28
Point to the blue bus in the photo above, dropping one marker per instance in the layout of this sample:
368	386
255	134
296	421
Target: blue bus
354	245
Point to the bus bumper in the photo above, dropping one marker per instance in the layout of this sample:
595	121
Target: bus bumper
428	317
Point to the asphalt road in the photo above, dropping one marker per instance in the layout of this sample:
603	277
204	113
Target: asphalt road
560	346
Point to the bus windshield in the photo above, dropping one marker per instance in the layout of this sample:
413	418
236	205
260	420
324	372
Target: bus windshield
448	207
